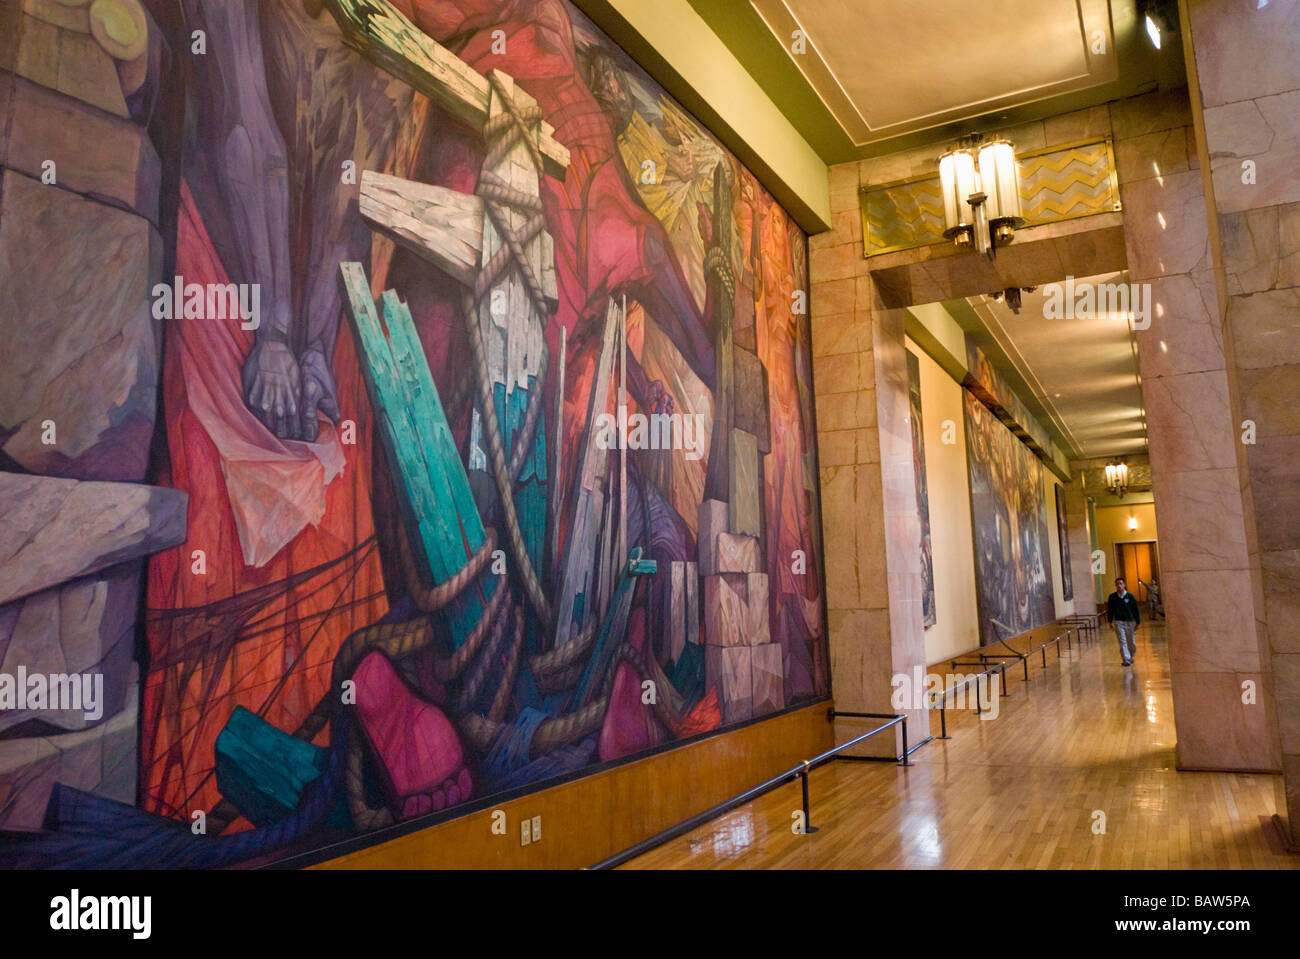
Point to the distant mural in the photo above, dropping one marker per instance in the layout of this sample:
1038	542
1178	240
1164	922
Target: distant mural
922	488
1009	515
1063	535
484	451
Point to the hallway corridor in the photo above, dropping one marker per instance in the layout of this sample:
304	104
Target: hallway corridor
1023	790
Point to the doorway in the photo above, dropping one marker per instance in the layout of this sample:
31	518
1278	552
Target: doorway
1139	564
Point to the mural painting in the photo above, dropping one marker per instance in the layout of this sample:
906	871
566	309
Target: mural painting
1063	533
922	489
434	420
1009	515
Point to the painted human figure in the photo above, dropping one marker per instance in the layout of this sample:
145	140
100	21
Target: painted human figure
611	244
606	242
286	118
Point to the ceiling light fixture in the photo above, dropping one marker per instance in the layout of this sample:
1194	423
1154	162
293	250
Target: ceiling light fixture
981	193
1153	31
1155	22
1117	477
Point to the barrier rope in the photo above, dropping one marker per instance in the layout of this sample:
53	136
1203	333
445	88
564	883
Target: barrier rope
502	132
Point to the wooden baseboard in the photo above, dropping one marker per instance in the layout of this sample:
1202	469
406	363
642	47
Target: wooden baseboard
589	819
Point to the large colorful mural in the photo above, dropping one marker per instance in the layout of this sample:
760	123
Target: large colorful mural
1009	515
1063	537
433	421
928	614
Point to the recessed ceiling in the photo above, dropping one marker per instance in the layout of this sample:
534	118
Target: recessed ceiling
947	60
876	76
1082	371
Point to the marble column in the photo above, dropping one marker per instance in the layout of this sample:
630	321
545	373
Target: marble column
1246	94
1205	550
871	529
1080	540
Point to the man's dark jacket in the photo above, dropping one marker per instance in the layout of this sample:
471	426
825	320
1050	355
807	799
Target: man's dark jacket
1122	609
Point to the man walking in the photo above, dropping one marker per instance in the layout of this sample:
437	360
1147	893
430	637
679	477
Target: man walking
1122	613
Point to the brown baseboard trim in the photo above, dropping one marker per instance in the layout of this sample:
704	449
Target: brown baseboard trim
1179	767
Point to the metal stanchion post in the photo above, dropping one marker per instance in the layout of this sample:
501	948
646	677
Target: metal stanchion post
808	827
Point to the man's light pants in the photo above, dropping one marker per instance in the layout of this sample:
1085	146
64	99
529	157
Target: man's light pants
1127	644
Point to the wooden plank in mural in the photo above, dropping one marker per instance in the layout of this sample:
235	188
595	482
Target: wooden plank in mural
577	583
379	31
423	480
440	225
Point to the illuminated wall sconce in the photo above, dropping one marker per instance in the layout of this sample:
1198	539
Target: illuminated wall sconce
1132	522
1117	477
981	194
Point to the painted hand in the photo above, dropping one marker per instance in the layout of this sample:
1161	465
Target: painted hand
272	386
318	393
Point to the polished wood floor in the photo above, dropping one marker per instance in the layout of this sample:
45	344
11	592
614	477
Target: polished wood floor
1019	791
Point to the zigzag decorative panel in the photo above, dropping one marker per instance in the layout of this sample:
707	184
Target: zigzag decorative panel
1057	184
903	216
1077	181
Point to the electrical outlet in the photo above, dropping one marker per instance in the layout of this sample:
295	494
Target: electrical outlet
537	829
525	832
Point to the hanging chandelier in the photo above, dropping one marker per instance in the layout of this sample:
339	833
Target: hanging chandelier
981	194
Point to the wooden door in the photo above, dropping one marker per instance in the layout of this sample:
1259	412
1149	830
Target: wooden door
1139	565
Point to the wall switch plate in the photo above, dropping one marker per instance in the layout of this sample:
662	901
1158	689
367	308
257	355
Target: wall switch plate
537	829
525	833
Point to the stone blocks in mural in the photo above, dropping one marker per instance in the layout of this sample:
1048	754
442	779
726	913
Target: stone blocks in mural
769	678
744	510
85	630
75	276
95	155
712	520
54	530
69	61
726	610
735	554
100	760
729	669
736	609
759	622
